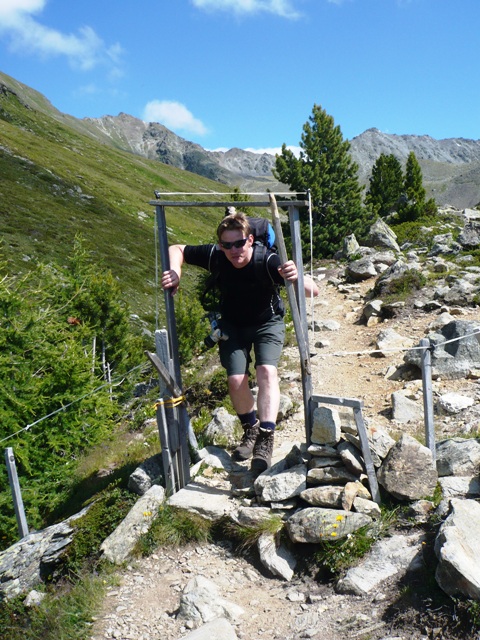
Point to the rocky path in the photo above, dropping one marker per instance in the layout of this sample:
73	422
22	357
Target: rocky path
144	603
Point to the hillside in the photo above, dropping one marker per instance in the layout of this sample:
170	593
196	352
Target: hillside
57	181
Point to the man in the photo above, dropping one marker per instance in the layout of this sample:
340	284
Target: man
252	313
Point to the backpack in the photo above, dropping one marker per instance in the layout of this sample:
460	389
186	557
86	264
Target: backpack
264	240
263	232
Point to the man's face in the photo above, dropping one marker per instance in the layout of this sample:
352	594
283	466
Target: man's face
239	256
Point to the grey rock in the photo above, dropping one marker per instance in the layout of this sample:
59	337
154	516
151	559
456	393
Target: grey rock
326	428
404	409
320	462
147	474
368	507
25	564
380	235
252	516
456	350
200	602
373	309
350	247
389	340
458	457
351	458
388	557
323	496
469	237
34	598
361	269
408	471
206	500
316	524
322	450
121	542
221	429
452	403
285	407
460	486
456	547
276	557
218	629
285	485
330	475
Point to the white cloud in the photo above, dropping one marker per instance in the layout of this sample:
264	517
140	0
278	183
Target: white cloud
173	115
84	50
283	8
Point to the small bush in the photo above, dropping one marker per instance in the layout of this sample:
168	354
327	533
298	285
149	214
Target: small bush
103	516
400	288
173	527
64	615
415	232
245	537
192	327
339	555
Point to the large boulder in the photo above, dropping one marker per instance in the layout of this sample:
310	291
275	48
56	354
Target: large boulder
408	472
456	352
456	547
380	235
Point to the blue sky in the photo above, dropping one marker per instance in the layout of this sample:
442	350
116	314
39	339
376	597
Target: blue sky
246	73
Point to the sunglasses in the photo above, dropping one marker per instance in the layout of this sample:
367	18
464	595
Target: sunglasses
238	244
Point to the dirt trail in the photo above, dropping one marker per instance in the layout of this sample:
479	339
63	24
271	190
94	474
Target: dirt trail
144	604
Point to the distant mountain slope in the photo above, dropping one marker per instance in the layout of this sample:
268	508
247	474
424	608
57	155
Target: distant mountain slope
451	167
154	141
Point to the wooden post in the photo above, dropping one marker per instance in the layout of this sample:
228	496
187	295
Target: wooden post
302	339
297	257
426	363
168	420
16	493
185	430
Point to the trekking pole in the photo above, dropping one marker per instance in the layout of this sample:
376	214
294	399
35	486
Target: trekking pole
292	298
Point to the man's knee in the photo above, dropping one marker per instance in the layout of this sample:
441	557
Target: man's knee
237	382
266	373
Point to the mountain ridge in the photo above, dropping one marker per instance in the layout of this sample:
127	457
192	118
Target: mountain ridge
450	166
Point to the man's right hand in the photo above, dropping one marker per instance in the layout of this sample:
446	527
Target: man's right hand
170	280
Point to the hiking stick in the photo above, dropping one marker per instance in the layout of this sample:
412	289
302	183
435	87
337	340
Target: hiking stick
292	298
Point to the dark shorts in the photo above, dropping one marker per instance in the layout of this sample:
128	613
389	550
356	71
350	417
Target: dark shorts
266	339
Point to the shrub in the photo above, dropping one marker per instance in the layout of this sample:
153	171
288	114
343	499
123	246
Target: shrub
192	327
400	288
173	527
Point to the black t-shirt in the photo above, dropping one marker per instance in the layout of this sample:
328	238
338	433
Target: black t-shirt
247	297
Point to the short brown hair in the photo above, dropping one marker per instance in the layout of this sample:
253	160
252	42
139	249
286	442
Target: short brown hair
237	221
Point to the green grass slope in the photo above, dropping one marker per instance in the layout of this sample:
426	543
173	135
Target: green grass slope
56	182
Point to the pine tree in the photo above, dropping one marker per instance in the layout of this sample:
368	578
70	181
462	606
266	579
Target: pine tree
327	169
413	205
386	185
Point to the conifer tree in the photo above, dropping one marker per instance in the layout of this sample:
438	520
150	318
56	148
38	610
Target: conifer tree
413	205
327	169
386	185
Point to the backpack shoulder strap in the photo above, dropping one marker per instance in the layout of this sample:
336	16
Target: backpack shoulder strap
261	256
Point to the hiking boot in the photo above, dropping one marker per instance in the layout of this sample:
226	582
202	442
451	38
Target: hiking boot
245	448
262	451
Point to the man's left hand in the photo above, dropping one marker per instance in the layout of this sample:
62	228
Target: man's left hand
289	271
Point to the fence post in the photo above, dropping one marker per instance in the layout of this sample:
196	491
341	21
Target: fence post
16	493
428	395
